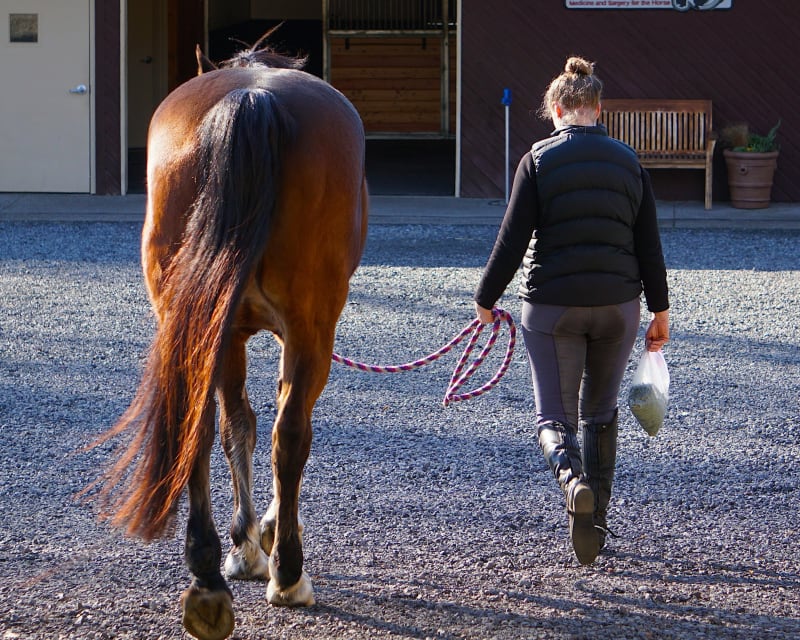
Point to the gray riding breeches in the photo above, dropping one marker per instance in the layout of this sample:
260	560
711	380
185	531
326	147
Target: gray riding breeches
578	357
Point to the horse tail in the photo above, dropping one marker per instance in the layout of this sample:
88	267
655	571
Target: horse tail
172	414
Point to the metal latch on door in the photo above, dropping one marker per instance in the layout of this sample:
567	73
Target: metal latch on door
80	89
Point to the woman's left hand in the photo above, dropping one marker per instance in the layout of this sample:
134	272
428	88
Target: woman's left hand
657	334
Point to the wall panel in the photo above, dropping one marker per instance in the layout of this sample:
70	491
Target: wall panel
742	59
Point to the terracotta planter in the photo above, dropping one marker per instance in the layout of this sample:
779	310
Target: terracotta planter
750	177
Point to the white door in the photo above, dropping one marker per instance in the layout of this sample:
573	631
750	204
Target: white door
45	96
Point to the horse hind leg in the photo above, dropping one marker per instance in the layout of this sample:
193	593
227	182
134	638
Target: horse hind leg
207	604
246	560
304	370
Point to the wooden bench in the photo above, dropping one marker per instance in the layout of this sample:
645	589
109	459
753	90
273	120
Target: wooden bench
666	134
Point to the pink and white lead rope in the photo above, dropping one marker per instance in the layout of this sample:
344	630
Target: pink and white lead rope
460	374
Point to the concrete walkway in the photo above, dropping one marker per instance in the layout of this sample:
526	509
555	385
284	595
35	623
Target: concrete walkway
38	207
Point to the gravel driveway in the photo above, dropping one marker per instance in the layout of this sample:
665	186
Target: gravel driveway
421	521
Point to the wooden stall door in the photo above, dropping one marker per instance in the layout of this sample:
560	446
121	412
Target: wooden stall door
395	83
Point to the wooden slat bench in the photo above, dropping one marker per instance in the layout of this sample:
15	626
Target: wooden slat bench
666	134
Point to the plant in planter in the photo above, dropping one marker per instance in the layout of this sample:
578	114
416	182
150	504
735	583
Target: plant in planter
751	159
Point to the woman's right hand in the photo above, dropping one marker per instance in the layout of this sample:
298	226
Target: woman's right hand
483	314
657	334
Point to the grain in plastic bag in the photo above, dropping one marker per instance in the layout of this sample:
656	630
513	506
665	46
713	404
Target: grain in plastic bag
649	392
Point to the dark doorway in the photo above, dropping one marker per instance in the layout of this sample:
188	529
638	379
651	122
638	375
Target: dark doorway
137	169
411	167
295	38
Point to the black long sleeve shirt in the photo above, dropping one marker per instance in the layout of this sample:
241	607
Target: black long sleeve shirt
521	220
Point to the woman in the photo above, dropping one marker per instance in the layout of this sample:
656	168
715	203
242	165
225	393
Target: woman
582	220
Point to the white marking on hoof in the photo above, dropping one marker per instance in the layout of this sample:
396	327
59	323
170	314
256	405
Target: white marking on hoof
300	594
247	562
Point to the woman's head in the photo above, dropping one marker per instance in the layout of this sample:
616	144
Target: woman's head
575	94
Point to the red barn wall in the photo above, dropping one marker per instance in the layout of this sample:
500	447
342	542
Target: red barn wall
107	98
743	59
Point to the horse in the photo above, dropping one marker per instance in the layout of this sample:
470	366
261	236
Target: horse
256	219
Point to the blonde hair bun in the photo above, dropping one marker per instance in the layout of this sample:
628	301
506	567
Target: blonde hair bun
579	67
576	88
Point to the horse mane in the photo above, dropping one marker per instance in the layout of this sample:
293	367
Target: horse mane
264	57
258	54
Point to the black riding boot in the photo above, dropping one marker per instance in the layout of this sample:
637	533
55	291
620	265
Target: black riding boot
563	455
599	460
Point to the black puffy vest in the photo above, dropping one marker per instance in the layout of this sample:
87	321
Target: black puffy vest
582	252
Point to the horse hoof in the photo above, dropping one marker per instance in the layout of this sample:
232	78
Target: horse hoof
300	594
207	615
247	562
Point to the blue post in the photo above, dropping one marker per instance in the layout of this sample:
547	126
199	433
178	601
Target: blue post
506	101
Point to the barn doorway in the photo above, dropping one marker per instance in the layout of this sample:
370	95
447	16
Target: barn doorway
395	62
161	39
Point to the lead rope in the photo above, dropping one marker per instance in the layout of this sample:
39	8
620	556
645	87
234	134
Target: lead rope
460	374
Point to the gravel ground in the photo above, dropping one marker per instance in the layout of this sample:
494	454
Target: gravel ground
421	521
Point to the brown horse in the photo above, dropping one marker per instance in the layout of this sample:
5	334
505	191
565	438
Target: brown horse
256	220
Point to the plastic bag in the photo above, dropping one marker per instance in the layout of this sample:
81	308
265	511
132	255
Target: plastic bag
649	392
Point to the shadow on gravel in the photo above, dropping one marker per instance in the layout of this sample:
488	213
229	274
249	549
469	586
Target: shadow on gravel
399	614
